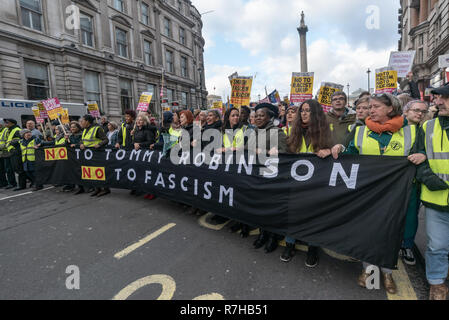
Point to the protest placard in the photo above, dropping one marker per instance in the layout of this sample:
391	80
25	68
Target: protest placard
144	101
93	109
65	116
386	80
301	87
37	115
326	91
43	113
217	105
402	62
53	107
241	91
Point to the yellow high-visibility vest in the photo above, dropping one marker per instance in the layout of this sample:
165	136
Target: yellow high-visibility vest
238	141
400	144
60	141
124	134
287	132
11	138
437	150
28	151
89	137
3	136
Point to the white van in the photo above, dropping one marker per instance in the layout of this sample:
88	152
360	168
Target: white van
20	110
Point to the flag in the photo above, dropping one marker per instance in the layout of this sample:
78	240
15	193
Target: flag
273	97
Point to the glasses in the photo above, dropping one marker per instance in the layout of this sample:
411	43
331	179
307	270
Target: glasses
339	99
305	111
424	112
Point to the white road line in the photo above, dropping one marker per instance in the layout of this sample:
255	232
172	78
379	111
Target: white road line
24	194
143	241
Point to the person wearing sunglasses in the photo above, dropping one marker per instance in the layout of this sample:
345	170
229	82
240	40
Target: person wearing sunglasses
387	133
340	117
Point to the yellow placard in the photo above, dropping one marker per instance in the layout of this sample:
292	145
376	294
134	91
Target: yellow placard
65	116
56	154
241	91
93	173
217	105
386	80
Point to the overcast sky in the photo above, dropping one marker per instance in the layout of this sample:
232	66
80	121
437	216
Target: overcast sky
260	37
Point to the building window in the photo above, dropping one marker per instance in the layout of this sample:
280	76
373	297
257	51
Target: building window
87	34
182	36
169	61
145	13
37	81
151	88
31	14
119	5
170	95
122	42
92	86
421	39
184	98
184	72
167	27
420	55
126	94
147	52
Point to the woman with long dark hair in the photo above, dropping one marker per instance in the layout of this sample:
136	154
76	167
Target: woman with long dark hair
310	133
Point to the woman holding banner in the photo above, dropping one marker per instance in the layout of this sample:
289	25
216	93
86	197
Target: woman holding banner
310	133
265	115
386	133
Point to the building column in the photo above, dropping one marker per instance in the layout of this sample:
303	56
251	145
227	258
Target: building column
433	3
414	17
423	12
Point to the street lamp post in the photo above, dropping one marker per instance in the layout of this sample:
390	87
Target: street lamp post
369	87
348	95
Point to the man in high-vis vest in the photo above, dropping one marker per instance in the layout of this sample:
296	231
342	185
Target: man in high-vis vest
434	175
95	138
12	159
125	139
27	146
3	138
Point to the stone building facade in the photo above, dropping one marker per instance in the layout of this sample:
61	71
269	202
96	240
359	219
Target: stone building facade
424	27
116	50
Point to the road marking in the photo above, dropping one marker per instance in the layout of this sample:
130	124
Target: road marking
143	241
24	194
210	296
167	282
217	227
405	289
15	196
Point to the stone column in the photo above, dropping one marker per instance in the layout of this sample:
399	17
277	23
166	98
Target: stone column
414	17
423	12
302	30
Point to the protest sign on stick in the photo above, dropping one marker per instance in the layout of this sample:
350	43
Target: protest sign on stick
402	62
144	102
93	109
326	91
301	87
241	91
53	107
386	80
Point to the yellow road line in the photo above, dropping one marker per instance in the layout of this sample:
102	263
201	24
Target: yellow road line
217	227
143	241
405	289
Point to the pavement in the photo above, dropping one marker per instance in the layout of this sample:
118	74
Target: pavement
126	247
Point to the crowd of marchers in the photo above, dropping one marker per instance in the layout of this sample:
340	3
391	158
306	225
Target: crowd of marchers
377	125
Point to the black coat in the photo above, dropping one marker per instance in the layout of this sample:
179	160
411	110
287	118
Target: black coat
145	136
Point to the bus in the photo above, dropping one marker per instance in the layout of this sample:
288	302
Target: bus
20	110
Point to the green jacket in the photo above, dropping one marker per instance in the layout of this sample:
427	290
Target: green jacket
339	125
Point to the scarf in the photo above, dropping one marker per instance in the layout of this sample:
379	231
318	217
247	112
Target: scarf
392	125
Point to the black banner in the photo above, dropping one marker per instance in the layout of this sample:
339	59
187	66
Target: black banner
355	206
